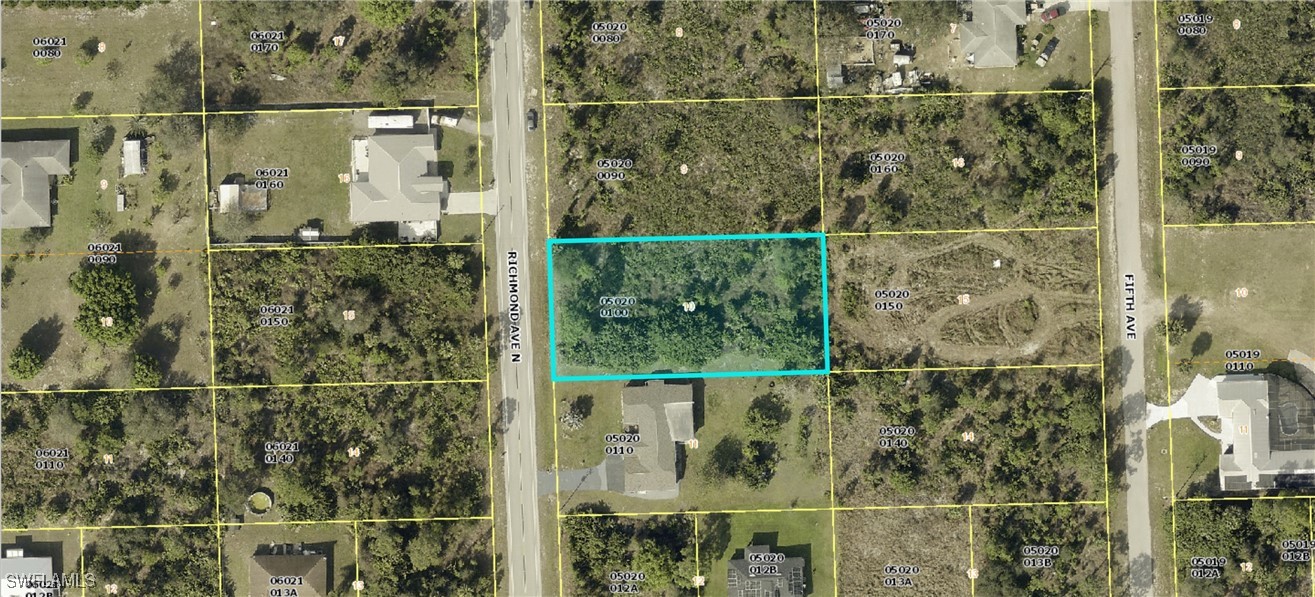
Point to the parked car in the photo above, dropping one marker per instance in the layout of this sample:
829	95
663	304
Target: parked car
531	120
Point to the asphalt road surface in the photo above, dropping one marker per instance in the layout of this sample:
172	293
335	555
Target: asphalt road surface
510	262
1127	247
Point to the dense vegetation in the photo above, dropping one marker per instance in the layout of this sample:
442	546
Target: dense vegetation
753	461
427	559
1275	131
423	451
1079	568
416	315
152	561
107	291
394	51
734	48
1272	45
747	167
760	299
1027	161
1036	437
662	547
162	470
1245	531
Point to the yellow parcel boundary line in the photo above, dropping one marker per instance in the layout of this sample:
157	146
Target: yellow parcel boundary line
250	523
972	561
1164	281
1241	224
1230	87
962	231
836	509
203	112
354	384
1100	301
808	98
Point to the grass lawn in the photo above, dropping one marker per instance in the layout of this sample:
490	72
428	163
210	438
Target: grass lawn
458	160
1271	44
62	547
312	193
427	558
924	26
336	541
801	477
39	310
795	534
1206	269
1038	305
164	206
427	57
890	163
678	50
749	167
1077	533
135	41
869	541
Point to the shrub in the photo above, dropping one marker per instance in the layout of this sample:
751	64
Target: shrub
24	363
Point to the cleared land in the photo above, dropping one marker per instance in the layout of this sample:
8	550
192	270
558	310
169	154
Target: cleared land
163	207
239	144
427	558
334	540
263	53
956	437
923	31
41	313
151	61
1251	532
748	167
1006	542
661	547
977	299
873	542
607	51
1239	289
1271	44
688	306
152	561
160	467
796	534
1239	155
786	467
358	314
409	442
893	163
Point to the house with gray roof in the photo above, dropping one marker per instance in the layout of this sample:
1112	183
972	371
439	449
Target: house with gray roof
27	172
23	574
394	178
662	414
289	568
990	38
761	571
1267	432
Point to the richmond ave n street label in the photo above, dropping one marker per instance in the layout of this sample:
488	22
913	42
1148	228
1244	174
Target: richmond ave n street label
513	306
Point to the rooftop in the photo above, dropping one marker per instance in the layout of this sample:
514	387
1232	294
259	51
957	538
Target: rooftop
991	37
1267	426
395	178
25	171
761	572
663	414
306	567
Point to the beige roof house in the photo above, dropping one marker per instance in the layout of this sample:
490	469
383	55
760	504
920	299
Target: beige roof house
395	179
26	168
663	416
240	196
289	567
134	157
1267	428
990	39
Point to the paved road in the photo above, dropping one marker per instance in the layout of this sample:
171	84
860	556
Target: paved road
510	262
1127	246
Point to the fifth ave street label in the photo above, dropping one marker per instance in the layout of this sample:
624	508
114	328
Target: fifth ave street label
1129	306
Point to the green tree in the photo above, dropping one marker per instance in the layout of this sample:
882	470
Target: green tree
24	363
108	313
386	14
145	372
765	417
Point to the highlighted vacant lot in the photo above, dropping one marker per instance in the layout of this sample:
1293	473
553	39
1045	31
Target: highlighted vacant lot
668	307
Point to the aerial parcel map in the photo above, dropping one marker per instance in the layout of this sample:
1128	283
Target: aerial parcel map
724	298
